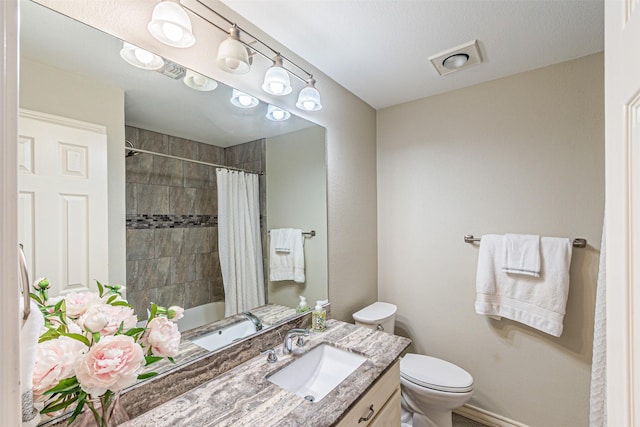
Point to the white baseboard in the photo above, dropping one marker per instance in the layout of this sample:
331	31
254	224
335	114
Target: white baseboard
485	417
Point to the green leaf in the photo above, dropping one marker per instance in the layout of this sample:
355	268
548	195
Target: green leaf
154	311
80	338
147	375
170	359
64	385
134	331
112	298
96	336
121	303
82	397
100	288
152	359
59	406
36	298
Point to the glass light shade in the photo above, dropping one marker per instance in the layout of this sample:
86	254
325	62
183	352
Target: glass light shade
276	79
140	58
242	100
199	82
455	61
309	97
233	56
277	114
171	25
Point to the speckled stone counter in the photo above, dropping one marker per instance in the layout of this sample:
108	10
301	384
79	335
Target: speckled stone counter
242	396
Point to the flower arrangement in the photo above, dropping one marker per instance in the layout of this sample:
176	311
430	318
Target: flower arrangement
91	349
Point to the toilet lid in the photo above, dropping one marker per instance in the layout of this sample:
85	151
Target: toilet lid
376	312
434	373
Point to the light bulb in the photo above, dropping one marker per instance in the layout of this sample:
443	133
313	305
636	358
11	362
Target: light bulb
172	31
143	56
278	114
308	105
276	88
232	63
245	100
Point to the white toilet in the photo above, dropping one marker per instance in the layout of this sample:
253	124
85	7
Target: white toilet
431	387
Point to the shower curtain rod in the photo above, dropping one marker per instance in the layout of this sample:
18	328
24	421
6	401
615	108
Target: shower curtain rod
577	242
168	156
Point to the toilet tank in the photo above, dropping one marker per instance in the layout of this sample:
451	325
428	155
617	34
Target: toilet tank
379	315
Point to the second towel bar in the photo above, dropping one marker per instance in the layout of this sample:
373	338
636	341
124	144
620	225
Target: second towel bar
578	242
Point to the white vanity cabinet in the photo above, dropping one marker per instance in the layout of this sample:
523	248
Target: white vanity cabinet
380	405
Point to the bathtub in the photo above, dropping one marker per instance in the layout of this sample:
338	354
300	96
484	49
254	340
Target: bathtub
201	315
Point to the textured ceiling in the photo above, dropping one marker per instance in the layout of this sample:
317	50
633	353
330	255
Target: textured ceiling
379	49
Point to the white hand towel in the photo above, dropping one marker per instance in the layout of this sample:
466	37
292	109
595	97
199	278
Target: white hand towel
538	302
29	335
286	265
521	254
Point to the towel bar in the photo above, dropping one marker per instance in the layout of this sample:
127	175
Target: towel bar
311	233
578	242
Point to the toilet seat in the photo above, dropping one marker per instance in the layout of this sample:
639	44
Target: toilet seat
434	373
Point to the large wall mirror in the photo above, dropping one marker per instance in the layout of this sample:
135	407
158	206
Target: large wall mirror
157	229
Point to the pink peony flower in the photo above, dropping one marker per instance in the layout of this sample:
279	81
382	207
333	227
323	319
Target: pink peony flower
118	314
111	364
94	319
175	313
78	303
162	336
106	319
54	362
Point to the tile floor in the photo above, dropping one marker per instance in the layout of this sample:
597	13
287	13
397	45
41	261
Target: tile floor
460	421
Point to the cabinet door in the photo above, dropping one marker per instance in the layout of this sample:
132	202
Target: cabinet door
373	401
389	415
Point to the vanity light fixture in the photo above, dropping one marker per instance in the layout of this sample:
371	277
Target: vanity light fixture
233	56
242	100
309	97
276	114
276	79
141	58
199	82
171	25
236	52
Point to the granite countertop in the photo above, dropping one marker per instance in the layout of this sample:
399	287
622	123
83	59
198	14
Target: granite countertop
243	396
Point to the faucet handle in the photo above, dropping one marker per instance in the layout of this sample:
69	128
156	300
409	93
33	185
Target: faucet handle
300	341
271	355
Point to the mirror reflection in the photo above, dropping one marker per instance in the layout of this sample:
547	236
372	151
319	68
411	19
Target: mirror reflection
95	203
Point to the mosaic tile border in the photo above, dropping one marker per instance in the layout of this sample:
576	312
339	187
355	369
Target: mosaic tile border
146	221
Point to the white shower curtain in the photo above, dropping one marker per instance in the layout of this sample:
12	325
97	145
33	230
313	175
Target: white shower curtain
239	242
598	398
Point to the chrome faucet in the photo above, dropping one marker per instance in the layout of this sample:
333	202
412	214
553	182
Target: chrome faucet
256	321
287	345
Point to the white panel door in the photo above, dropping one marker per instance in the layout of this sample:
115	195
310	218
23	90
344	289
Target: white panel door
622	113
62	202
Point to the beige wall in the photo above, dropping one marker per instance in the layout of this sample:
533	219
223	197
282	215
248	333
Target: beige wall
51	90
350	136
296	198
523	154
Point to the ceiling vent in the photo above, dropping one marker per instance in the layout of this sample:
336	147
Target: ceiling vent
458	58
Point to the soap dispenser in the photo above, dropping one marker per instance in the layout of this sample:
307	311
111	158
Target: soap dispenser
302	307
318	318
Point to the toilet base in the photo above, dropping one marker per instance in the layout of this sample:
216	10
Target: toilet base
435	418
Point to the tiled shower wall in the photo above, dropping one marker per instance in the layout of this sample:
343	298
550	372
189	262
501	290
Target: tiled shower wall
172	234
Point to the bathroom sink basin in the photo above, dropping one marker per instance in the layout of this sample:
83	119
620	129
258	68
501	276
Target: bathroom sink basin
225	336
314	374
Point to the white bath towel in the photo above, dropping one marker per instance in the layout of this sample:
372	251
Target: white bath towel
286	265
538	302
521	254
